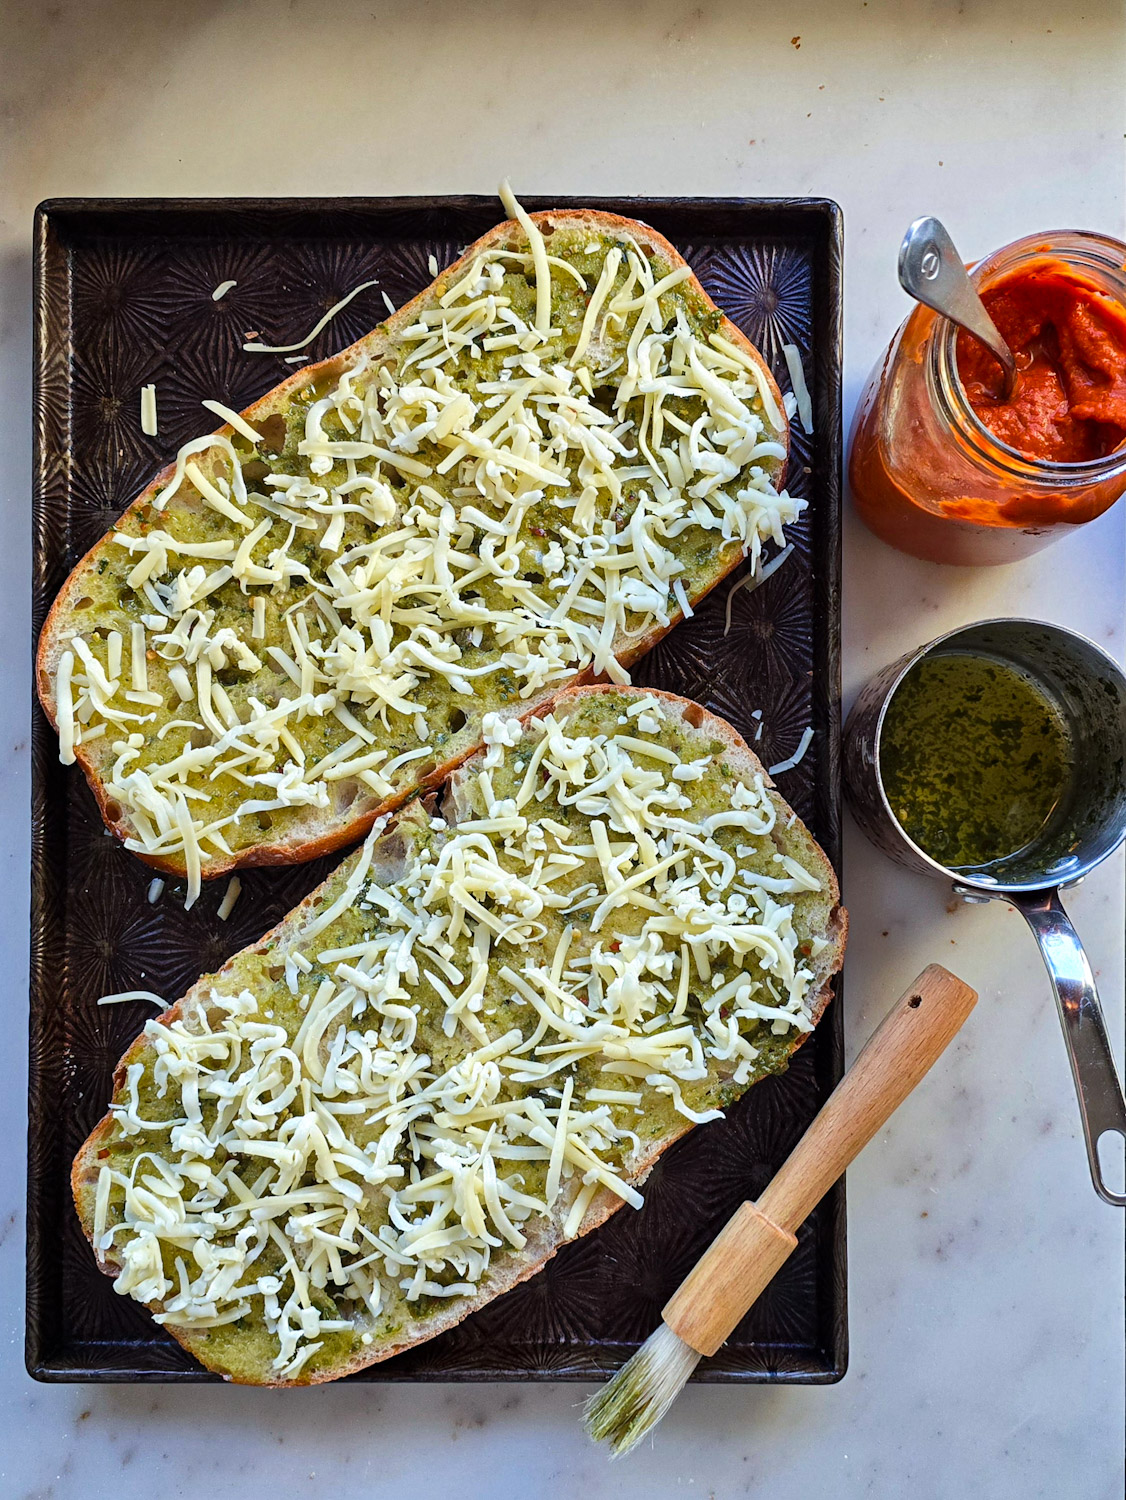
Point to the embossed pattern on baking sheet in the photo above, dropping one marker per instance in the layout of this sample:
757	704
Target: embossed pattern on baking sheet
125	298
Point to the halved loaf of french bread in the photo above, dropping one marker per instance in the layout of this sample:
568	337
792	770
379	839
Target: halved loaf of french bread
521	480
467	1047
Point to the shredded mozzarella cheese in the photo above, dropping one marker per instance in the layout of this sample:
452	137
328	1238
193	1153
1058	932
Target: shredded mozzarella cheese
798	756
148	410
467	1045
230	896
495	507
792	356
254	347
752	580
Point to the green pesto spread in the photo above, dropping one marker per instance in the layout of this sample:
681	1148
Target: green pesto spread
443	720
745	875
974	758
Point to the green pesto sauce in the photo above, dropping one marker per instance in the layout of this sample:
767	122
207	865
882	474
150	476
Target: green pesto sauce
454	719
245	1349
974	759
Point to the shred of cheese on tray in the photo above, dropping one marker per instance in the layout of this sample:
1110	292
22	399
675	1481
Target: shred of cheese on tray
491	506
149	423
476	1034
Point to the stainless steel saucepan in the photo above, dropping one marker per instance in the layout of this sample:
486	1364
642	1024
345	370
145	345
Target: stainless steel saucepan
1088	689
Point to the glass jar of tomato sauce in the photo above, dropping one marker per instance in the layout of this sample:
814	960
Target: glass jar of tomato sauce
943	467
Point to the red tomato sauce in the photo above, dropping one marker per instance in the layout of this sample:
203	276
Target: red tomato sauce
1069	338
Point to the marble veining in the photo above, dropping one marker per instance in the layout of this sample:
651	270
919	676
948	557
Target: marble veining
985	1278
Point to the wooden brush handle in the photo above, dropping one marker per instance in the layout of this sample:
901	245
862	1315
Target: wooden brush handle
743	1258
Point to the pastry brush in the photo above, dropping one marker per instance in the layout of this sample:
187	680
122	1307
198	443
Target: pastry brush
759	1236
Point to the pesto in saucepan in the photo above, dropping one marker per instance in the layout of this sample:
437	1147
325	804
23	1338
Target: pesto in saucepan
974	758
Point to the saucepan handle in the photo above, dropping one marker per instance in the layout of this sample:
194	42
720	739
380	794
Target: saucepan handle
1102	1107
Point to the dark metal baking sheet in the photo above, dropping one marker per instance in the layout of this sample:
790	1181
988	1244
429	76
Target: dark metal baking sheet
124	297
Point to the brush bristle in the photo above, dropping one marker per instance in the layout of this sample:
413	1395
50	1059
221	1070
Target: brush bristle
632	1404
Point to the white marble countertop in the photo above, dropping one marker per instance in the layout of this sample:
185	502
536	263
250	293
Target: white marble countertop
985	1277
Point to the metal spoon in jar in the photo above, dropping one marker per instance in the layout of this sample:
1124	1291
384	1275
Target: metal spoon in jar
932	271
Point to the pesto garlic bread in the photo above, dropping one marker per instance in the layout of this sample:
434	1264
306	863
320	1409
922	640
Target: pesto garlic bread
468	1046
519	481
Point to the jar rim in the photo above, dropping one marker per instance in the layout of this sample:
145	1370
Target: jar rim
1105	256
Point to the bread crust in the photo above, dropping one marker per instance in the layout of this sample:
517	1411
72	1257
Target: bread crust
544	1237
308	845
